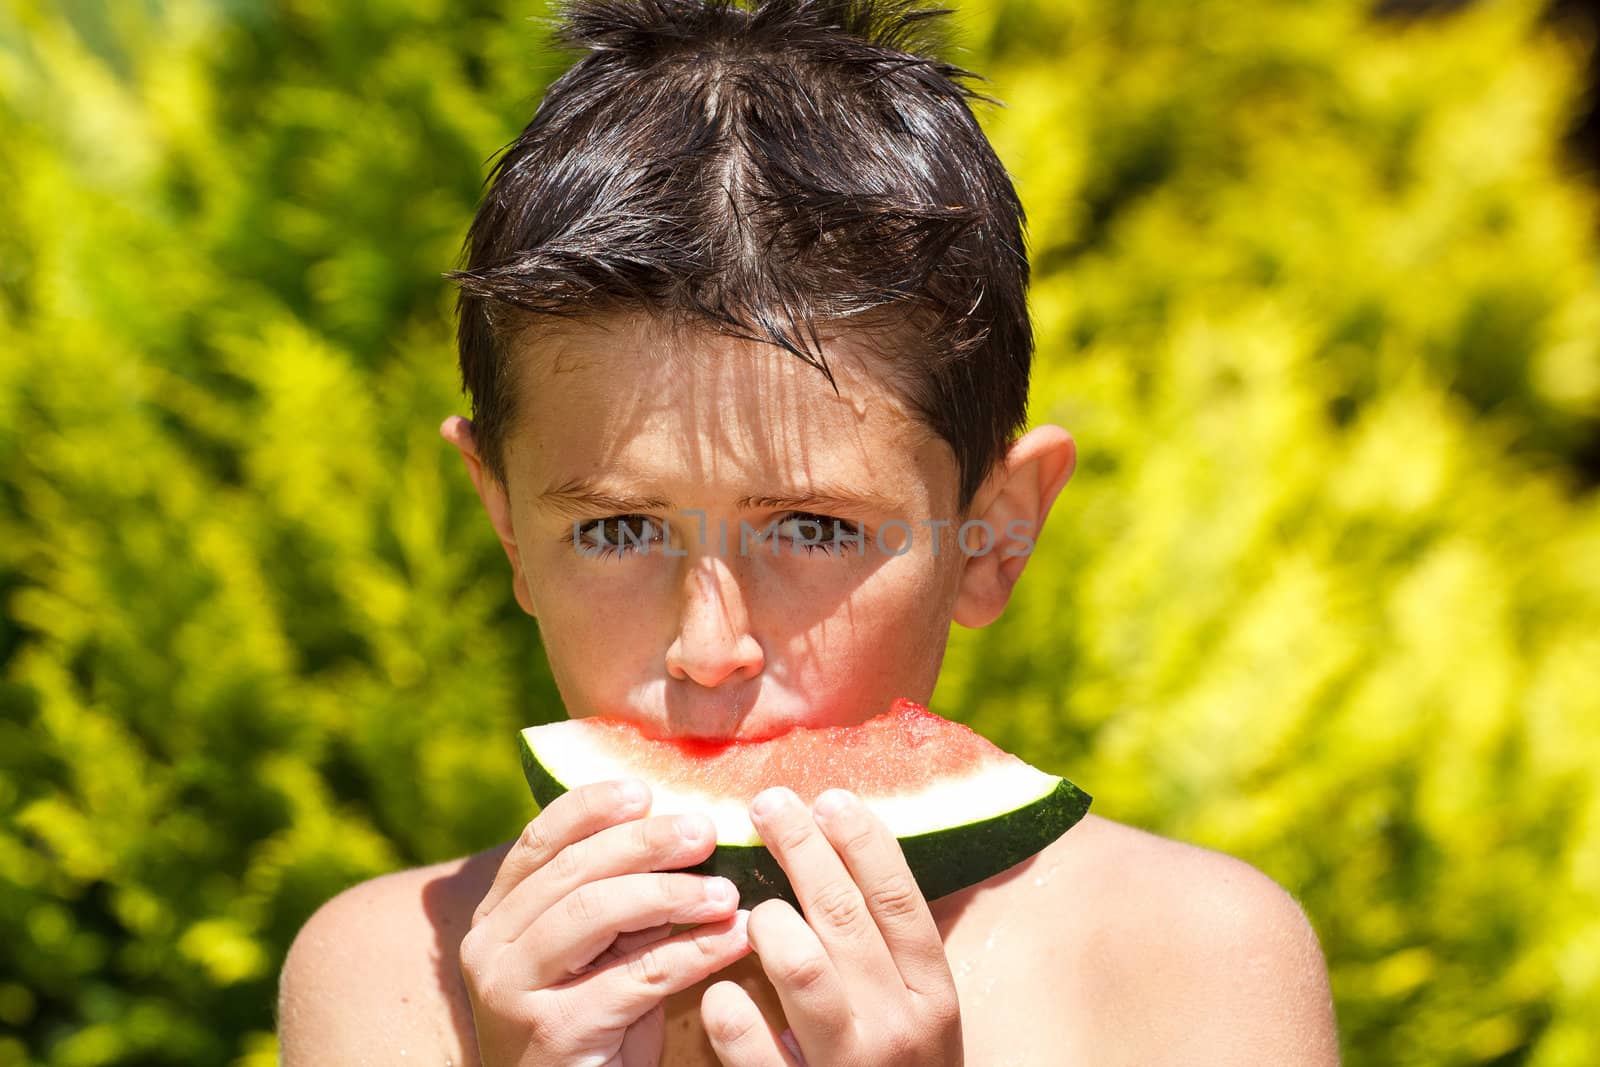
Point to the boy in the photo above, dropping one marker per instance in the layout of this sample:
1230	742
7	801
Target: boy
761	271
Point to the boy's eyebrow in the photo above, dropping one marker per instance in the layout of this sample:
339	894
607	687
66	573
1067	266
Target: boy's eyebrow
578	496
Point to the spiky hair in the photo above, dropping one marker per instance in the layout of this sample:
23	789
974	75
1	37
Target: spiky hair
761	172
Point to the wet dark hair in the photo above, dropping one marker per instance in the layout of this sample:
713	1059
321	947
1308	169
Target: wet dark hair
761	172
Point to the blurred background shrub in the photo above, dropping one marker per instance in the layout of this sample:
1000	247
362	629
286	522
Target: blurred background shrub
1316	291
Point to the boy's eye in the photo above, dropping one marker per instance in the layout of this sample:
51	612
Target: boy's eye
621	534
599	538
813	532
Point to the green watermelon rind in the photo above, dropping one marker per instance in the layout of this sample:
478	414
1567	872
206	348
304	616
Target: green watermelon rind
942	861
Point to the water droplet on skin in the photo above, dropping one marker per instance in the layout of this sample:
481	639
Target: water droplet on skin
972	997
968	965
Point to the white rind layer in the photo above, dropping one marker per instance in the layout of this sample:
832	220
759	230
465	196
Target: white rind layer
994	789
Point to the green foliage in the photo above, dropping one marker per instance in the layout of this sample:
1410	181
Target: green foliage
1320	307
243	577
1314	295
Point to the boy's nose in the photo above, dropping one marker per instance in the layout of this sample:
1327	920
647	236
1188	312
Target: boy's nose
713	642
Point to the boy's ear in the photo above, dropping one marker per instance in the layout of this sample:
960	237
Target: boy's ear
458	431
1012	505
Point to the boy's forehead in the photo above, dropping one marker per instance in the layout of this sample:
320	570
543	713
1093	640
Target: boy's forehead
626	397
650	344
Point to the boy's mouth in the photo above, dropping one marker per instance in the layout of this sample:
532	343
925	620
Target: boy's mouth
712	717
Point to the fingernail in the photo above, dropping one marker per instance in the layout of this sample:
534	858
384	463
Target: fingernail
634	792
741	924
770	801
720	891
833	801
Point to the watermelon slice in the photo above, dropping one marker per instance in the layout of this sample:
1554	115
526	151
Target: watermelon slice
962	808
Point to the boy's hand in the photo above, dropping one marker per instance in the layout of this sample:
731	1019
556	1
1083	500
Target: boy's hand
569	960
866	983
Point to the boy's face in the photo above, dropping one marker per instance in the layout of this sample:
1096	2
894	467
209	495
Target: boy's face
664	618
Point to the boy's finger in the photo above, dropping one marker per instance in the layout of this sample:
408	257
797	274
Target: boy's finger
739	1034
816	999
628	941
565	940
571	817
828	895
620	993
878	865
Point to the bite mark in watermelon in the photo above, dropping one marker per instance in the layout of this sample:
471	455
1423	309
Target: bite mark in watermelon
962	808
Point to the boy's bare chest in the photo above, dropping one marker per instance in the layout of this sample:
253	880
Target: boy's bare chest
1007	958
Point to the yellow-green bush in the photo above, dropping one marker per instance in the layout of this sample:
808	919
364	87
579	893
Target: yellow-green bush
1313	293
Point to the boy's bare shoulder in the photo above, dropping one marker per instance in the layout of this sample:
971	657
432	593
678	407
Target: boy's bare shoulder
1183	954
375	974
